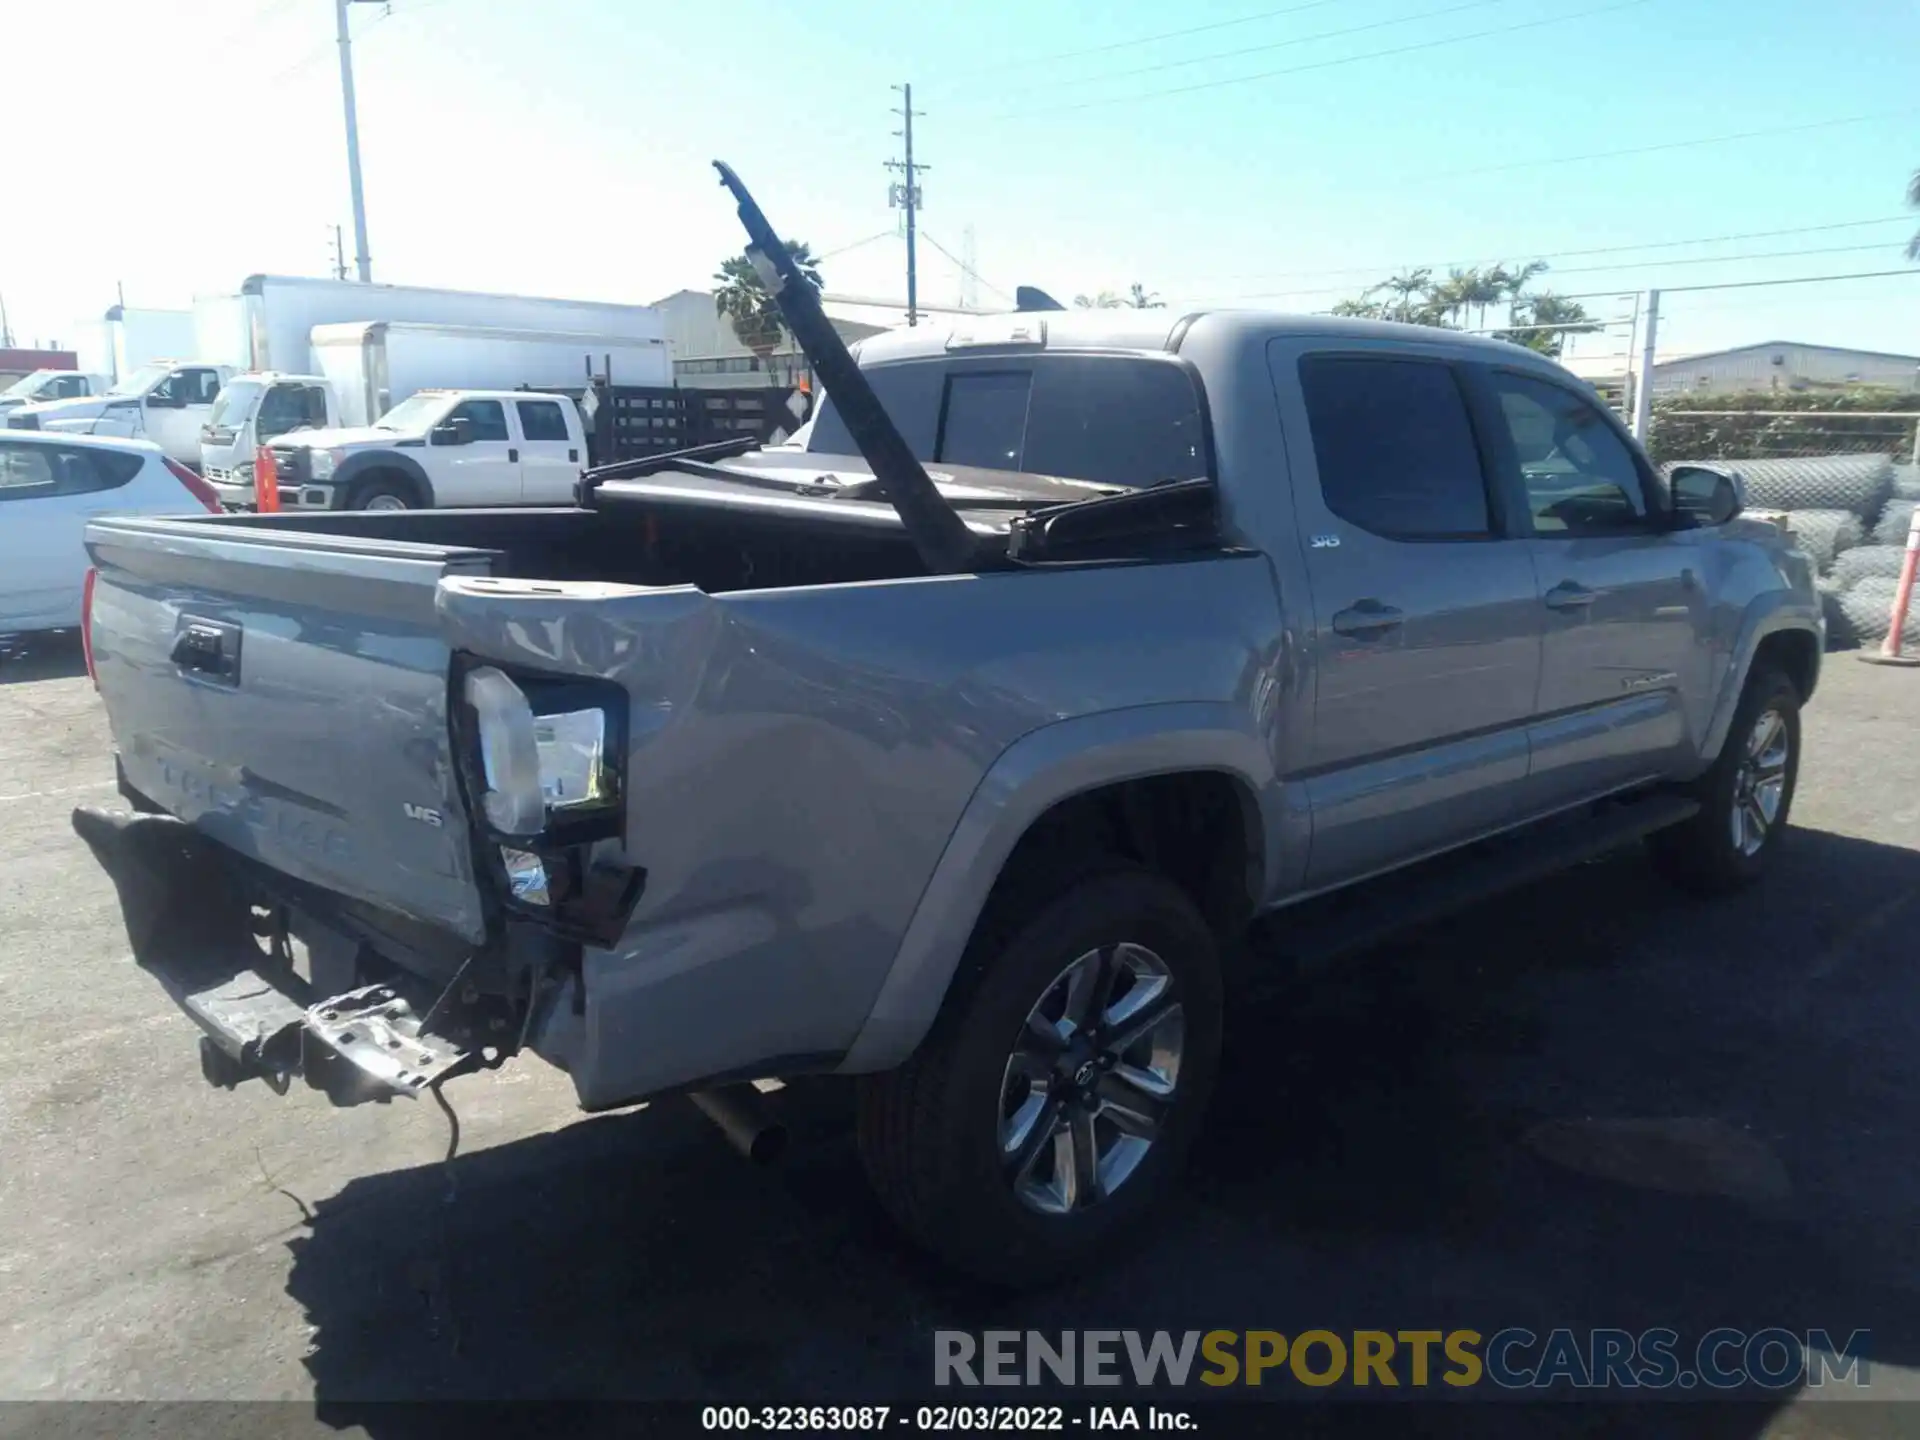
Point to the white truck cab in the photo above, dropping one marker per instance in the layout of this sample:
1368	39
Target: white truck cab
44	385
166	402
252	410
441	448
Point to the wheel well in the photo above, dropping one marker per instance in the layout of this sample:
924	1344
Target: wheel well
390	474
1795	654
1199	828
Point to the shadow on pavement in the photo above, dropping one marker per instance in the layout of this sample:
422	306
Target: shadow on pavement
1592	1103
52	655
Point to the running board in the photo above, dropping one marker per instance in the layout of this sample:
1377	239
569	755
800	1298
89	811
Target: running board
1315	932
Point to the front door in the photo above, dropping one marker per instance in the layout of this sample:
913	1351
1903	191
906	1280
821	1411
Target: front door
485	471
549	457
1426	639
177	408
1622	596
47	495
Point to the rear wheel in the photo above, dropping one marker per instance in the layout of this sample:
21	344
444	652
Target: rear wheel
1744	799
1049	1111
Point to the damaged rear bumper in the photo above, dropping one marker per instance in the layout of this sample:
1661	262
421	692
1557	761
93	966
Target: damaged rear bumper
228	963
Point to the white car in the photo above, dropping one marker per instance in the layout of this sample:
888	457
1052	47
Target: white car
50	486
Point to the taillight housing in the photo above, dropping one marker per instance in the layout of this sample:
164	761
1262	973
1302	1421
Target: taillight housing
86	624
196	487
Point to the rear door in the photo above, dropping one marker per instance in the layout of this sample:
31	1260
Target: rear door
485	471
1426	622
549	456
47	495
288	694
1622	596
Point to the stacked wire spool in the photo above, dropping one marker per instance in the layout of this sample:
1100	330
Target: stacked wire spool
1850	514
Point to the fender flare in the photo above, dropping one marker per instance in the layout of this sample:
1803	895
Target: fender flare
355	467
1032	775
1769	614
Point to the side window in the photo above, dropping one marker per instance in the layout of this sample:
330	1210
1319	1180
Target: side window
488	418
1579	475
541	420
174	386
69	387
25	471
200	386
35	471
1395	448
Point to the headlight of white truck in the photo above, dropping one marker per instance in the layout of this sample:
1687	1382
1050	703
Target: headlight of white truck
323	462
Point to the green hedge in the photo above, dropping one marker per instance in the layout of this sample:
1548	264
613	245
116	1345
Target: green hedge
1678	435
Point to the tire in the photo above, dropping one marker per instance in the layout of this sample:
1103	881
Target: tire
382	492
932	1133
1703	854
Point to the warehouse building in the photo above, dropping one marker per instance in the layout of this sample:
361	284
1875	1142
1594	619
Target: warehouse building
709	356
1783	365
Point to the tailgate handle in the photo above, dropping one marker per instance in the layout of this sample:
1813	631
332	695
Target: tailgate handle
209	649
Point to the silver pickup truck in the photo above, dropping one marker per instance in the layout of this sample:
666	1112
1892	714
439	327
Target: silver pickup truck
959	751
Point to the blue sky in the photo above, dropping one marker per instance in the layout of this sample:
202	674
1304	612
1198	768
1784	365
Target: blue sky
560	147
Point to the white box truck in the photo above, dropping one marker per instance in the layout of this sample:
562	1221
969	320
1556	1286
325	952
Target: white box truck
365	368
268	324
127	338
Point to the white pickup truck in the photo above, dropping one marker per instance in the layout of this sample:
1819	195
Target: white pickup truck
44	385
446	448
166	402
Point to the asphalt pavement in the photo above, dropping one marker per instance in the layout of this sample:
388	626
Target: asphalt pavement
1590	1103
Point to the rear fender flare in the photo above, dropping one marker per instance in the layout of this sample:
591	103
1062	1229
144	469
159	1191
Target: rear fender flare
1032	775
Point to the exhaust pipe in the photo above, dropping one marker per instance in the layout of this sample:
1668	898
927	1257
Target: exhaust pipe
742	1117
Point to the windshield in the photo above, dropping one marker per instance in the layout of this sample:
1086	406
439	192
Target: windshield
412	413
141	380
234	403
26	385
1115	419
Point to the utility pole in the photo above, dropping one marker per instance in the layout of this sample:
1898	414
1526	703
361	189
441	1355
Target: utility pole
1643	382
361	258
905	195
339	256
6	330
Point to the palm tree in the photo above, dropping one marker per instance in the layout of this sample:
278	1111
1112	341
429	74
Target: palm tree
1105	300
1513	284
1144	299
1406	286
1543	322
741	296
1913	199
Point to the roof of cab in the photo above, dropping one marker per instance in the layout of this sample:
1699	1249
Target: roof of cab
1128	329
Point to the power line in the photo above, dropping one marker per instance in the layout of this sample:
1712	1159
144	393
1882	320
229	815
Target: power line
1650	149
1389	266
1665	290
1326	64
1282	44
1142	40
965	269
857	244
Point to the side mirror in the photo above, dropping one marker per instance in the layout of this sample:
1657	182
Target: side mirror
458	431
1706	495
165	402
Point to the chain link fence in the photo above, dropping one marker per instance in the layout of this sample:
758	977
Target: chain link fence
1841	465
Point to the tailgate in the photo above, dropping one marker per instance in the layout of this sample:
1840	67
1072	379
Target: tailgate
287	693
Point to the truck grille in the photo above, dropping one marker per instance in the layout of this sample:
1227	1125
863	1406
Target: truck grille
290	467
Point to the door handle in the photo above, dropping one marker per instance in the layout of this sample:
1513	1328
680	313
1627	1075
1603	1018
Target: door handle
512	454
1569	596
1367	617
208	649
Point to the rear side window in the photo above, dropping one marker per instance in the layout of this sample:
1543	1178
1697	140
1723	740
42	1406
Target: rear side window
1116	419
486	418
36	471
541	420
1395	448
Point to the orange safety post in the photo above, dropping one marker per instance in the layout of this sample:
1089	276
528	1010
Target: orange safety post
266	482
